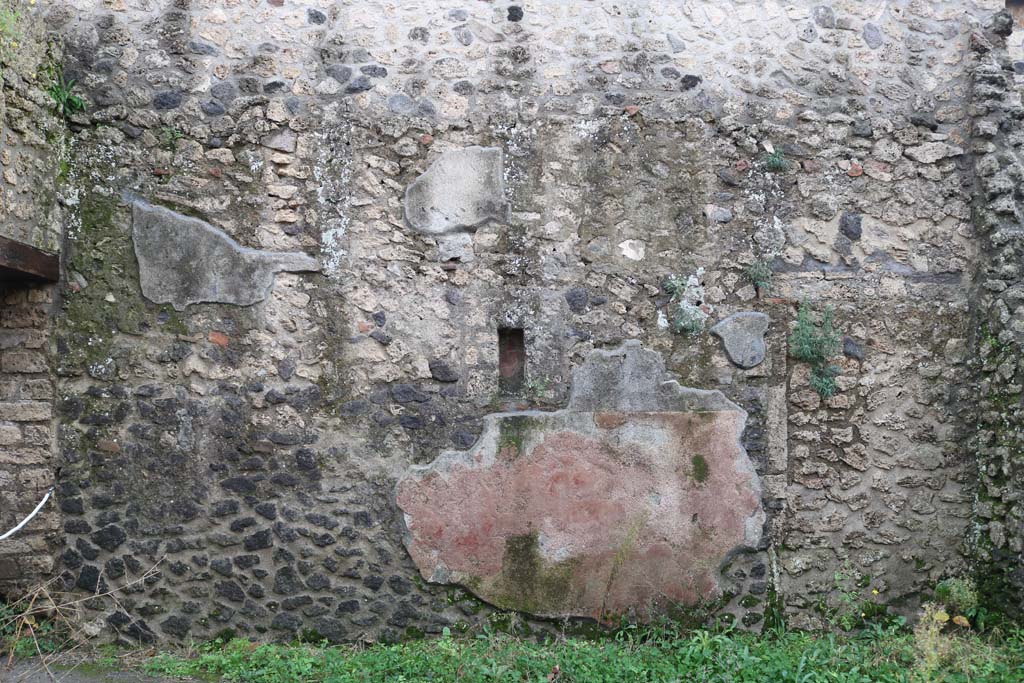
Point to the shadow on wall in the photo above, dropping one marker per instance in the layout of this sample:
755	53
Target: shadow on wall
1016	8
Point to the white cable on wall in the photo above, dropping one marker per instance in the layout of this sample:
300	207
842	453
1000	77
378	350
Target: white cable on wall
28	519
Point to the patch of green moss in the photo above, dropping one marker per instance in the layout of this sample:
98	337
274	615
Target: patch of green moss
701	471
513	431
466	601
99	669
333	341
509	623
690	617
225	634
997	592
588	629
413	633
527	582
752	619
749	601
63	170
987	338
170	321
110	302
774	612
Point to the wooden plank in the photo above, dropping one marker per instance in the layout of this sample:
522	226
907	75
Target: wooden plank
22	261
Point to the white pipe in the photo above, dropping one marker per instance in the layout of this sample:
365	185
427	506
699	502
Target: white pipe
28	519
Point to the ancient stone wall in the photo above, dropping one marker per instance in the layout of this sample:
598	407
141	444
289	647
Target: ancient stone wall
312	246
998	297
31	133
31	139
26	437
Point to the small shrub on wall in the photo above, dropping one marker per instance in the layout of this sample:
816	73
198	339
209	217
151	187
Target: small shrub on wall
816	345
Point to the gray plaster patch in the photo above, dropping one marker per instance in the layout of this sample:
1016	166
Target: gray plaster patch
461	190
633	379
743	336
184	260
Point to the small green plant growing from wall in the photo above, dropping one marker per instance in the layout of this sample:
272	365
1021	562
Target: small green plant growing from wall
823	381
10	33
776	161
938	642
688	312
853	603
816	345
66	102
990	341
759	273
169	137
846	615
536	388
960	596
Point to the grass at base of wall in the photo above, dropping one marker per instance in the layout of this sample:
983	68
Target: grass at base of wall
874	656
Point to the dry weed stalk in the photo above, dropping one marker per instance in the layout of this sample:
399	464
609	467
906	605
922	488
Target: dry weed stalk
58	613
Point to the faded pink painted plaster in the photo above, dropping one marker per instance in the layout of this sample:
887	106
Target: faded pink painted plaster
578	513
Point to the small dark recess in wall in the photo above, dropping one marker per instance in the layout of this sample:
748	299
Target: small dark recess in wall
511	359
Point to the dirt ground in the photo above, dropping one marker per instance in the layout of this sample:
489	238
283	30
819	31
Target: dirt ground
31	671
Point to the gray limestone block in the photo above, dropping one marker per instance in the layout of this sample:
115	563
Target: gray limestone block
461	190
873	36
184	260
743	336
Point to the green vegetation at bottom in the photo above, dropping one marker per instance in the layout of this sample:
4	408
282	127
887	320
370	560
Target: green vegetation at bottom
877	655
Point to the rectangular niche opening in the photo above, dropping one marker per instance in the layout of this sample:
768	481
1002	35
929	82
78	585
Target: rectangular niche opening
511	359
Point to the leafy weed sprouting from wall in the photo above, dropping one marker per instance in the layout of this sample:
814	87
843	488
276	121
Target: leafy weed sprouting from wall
65	101
776	161
10	34
759	273
816	345
688	310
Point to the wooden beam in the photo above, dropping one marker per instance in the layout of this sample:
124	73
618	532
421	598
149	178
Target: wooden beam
21	261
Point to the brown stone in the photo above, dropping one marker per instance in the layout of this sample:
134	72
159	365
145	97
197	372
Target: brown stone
23	361
219	338
25	411
108	446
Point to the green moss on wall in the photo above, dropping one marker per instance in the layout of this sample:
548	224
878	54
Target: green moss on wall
528	583
101	297
513	433
701	471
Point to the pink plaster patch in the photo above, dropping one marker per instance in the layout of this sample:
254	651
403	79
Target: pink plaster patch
587	514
